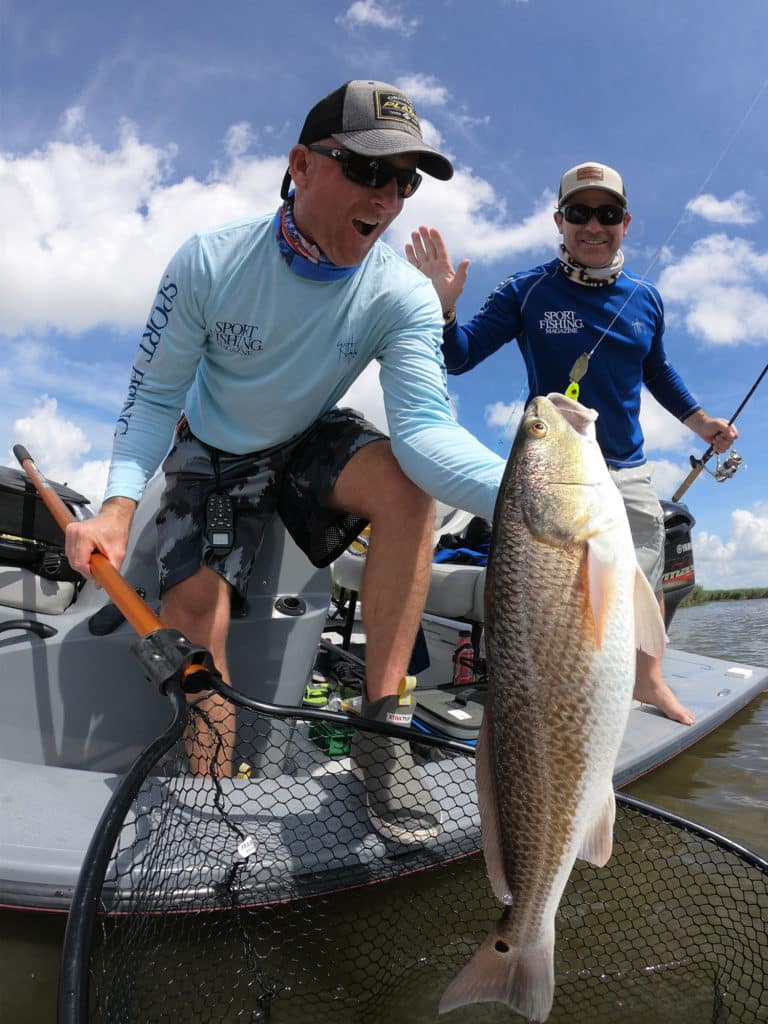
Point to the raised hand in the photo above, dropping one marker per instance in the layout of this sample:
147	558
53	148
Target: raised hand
427	252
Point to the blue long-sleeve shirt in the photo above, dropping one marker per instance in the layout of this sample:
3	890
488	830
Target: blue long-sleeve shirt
254	353
554	320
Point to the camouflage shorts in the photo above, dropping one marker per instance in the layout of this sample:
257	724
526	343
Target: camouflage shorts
292	480
646	520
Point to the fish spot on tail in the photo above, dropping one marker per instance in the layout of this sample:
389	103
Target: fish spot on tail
522	978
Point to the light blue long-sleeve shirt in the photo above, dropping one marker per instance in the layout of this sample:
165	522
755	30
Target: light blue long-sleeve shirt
254	354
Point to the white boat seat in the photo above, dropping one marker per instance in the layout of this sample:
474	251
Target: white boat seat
456	591
22	588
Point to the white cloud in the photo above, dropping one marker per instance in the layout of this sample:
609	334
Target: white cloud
59	447
72	121
741	560
427	90
88	231
504	417
424	89
667	476
737	209
369	13
238	139
661	430
469	215
721	285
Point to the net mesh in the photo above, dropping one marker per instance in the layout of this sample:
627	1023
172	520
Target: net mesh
252	898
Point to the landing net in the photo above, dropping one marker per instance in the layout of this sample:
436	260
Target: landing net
269	898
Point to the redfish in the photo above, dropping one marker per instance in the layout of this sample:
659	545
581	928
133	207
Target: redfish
566	607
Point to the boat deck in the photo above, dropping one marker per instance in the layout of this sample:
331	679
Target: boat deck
49	813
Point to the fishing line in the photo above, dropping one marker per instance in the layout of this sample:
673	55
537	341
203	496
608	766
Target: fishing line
517	403
581	365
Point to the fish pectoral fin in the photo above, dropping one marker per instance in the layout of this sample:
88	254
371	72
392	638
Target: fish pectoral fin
601	582
650	634
597	844
489	814
521	977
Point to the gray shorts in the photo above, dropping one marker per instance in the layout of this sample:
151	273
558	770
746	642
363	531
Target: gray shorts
292	480
646	520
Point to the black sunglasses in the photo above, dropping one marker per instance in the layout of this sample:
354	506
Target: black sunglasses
608	215
370	170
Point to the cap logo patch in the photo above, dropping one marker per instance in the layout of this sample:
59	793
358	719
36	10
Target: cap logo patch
394	106
590	174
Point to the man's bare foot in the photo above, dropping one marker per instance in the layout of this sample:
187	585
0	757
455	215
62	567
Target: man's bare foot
652	688
659	694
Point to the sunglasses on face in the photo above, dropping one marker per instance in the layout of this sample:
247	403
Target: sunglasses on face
371	171
608	215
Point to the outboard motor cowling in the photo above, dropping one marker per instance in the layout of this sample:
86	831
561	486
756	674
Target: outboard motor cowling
679	574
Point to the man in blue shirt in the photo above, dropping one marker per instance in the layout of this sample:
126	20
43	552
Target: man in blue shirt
583	321
257	330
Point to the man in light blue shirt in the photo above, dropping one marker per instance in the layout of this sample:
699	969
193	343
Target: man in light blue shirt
257	330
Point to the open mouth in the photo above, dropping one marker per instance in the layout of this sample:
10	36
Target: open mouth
363	227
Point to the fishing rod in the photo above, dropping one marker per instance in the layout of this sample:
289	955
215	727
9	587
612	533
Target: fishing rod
731	464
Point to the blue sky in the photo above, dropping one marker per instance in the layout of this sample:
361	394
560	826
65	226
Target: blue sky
125	128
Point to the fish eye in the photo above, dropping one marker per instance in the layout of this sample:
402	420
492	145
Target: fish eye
538	428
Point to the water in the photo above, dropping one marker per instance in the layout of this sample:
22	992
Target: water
722	783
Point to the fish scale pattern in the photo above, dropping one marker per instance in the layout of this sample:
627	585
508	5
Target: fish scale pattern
267	898
557	709
560	645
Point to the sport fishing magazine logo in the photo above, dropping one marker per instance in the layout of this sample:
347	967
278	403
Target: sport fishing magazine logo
560	321
236	337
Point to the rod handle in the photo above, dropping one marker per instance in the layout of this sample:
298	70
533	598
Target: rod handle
691	478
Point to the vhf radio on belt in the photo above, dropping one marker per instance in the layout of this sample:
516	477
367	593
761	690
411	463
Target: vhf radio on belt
219	516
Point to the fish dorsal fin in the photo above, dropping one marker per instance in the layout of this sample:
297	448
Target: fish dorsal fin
601	581
597	844
489	814
650	634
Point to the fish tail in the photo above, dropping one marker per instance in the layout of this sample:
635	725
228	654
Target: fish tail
521	977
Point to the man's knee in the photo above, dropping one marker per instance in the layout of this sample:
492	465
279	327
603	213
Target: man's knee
199	606
373	485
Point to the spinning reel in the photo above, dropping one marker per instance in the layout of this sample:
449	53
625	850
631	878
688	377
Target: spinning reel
724	470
